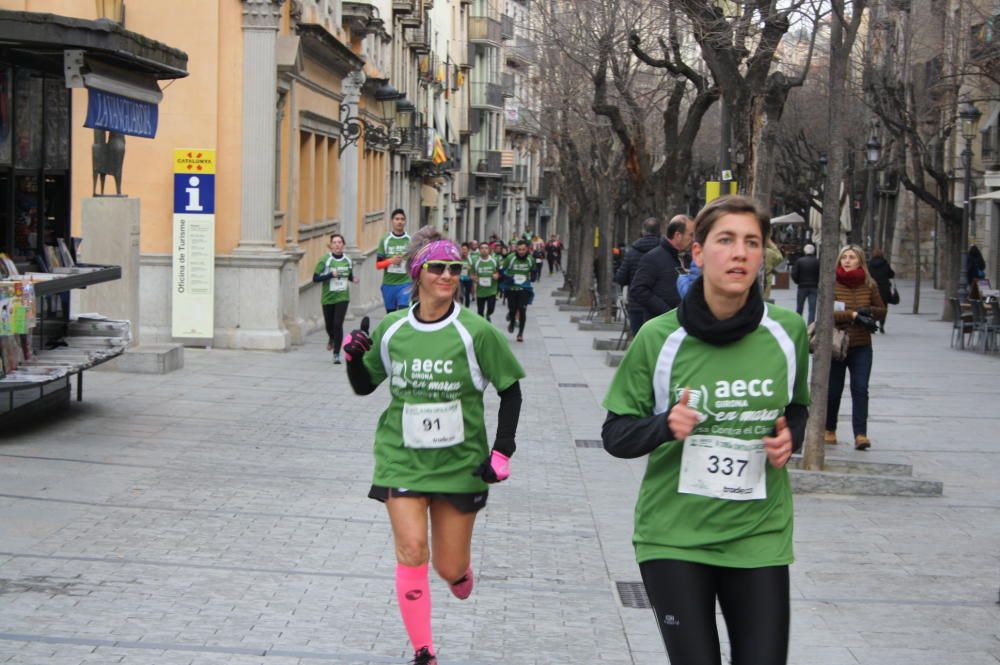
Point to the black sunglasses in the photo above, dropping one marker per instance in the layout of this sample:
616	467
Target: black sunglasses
438	267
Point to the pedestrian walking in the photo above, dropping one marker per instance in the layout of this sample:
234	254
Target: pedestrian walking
857	309
654	285
466	280
538	254
389	259
772	259
716	392
648	241
553	253
975	271
883	274
486	269
334	271
805	273
433	466
516	271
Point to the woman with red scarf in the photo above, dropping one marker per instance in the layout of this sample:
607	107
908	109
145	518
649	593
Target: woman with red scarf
858	308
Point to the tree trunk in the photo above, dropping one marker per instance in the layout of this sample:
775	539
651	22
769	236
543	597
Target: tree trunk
841	42
916	256
584	276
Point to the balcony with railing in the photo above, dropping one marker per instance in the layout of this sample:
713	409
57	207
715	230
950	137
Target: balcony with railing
419	38
486	163
484	30
525	121
489	95
506	26
517	176
507	84
523	50
405	6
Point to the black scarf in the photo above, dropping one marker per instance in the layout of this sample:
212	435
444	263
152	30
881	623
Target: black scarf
698	320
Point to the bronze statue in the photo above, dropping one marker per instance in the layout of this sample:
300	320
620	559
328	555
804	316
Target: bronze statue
108	154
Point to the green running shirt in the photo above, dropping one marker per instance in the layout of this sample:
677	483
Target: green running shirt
741	388
437	375
486	284
389	246
335	290
519	270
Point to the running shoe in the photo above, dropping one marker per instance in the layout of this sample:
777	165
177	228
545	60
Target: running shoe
462	589
520	338
510	326
336	359
424	657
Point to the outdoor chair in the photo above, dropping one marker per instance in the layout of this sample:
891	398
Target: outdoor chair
980	326
961	324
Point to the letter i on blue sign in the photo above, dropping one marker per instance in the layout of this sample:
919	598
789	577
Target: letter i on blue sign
194	193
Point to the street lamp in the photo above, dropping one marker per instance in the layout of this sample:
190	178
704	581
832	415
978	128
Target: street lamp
968	116
873	152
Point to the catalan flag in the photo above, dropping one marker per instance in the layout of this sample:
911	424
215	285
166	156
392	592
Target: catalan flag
439	155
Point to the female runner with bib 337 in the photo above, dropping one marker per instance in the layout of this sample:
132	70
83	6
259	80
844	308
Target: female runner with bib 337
432	463
716	393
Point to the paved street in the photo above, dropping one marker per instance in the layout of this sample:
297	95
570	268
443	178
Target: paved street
218	515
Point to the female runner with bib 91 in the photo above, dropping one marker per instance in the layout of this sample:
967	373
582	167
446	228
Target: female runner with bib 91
432	464
716	393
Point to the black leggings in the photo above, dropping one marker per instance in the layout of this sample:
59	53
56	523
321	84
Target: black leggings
489	303
466	292
517	301
754	602
334	315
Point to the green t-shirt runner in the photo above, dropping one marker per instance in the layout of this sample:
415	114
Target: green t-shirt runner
335	289
519	270
741	389
389	246
484	269
433	434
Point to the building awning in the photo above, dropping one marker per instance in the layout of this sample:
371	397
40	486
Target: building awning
790	218
43	38
992	196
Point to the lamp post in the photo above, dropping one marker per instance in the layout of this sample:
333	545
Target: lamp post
968	116
873	152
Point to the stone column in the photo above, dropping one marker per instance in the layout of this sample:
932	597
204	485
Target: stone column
351	89
260	30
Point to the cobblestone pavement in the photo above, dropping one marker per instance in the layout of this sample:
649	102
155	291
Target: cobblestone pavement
218	515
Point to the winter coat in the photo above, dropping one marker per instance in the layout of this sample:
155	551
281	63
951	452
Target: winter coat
654	285
866	295
626	271
882	272
805	272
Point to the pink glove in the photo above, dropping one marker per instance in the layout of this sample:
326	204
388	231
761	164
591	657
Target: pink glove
494	469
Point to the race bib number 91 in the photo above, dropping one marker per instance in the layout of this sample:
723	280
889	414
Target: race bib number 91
433	425
723	468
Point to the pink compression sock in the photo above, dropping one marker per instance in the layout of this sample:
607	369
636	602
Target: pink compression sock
413	591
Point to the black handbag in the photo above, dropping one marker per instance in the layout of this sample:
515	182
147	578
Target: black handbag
893	295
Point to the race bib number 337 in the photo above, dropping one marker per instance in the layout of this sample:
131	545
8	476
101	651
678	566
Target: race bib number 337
723	468
433	425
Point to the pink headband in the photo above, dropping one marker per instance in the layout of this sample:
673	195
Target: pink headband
439	250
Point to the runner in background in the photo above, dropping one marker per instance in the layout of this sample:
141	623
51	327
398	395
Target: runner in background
517	274
716	392
467	288
486	272
389	258
334	271
433	466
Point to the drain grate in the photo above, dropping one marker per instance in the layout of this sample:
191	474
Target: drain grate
589	443
633	594
572	385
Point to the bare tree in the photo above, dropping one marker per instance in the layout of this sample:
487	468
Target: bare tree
843	33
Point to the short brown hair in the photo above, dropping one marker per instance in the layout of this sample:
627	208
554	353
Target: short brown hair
730	204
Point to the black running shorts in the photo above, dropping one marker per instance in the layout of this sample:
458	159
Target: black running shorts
471	502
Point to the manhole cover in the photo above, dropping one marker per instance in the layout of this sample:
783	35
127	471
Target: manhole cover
633	594
589	443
